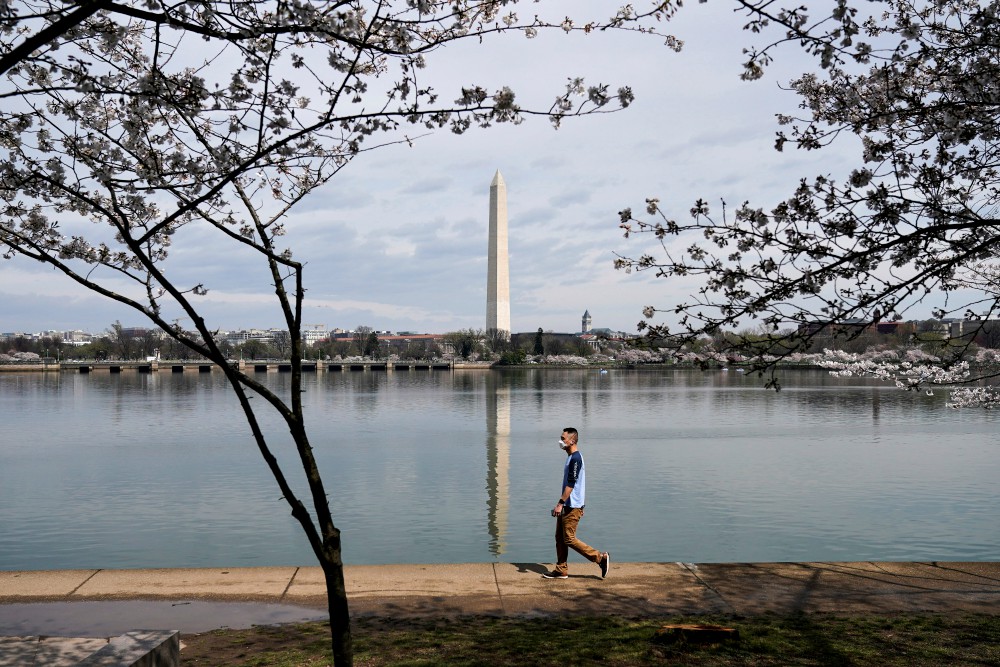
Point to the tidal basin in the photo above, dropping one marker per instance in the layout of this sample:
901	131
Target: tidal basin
158	470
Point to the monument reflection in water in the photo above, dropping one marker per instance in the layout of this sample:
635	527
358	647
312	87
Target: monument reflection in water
497	460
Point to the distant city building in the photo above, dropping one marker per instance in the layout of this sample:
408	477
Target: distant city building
262	335
315	333
857	326
965	328
985	333
587	321
135	332
591	340
77	337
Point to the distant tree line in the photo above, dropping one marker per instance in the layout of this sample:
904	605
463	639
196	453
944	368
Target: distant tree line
854	338
121	343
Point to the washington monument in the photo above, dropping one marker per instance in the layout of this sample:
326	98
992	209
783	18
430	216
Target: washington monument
498	275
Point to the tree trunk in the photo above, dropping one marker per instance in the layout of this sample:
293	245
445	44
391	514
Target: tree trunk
340	617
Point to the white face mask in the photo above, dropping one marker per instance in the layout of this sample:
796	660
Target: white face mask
563	445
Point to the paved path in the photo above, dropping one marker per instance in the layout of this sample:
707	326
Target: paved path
632	589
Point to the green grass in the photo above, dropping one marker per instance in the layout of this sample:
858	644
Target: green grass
909	640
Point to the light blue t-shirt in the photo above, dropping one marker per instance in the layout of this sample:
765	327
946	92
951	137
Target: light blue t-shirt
573	476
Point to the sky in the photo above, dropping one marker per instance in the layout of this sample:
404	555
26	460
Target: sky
398	240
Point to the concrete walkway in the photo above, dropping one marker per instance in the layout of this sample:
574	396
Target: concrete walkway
631	589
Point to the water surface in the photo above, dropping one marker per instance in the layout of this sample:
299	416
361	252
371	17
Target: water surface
159	470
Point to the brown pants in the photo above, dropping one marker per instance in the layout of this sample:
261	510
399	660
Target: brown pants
566	539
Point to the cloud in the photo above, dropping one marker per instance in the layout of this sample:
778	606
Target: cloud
426	186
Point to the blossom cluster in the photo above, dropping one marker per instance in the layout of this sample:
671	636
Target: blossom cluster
19	356
917	370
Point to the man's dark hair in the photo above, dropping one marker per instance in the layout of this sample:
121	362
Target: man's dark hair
572	432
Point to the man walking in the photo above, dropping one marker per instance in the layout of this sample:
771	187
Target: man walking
569	510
